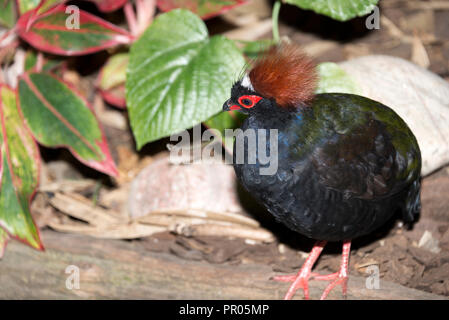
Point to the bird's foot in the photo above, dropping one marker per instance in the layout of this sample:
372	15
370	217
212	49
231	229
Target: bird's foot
340	277
300	281
292	277
335	279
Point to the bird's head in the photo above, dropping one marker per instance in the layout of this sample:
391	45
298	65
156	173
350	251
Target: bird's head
245	99
283	77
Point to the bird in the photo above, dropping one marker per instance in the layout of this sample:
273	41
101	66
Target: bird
346	164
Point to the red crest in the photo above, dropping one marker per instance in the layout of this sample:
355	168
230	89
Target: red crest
286	74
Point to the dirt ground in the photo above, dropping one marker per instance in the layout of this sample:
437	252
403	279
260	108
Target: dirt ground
416	258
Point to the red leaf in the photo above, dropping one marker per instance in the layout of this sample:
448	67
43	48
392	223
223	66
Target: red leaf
109	5
45	98
19	174
115	96
205	9
111	80
44	5
50	32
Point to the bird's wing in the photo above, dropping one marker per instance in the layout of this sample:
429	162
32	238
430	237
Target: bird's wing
364	156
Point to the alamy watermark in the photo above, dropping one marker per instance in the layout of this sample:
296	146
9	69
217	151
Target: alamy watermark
73	280
373	280
373	20
251	147
72	22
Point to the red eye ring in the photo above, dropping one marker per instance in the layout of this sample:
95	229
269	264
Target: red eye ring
252	98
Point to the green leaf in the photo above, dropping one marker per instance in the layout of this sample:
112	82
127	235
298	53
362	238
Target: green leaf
3	242
57	116
27	5
178	76
19	172
7	13
111	79
252	49
204	8
48	65
335	79
113	72
226	120
69	33
342	10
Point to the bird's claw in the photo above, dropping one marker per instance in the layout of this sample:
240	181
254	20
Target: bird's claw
336	279
301	282
292	277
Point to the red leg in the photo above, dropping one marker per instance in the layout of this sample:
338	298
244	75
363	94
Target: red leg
301	280
340	277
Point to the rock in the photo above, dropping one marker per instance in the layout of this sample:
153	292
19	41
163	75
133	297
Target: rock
428	242
419	96
164	186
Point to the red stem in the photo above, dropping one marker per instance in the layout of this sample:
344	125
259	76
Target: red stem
145	11
130	18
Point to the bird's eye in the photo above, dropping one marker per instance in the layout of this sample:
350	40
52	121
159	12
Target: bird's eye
249	101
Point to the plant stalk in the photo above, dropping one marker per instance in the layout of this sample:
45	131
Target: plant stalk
130	18
275	20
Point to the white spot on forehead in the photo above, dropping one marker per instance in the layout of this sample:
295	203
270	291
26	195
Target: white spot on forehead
246	82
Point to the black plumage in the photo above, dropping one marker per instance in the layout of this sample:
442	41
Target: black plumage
342	171
345	164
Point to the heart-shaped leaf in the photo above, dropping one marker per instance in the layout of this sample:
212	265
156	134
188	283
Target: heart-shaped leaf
68	32
19	173
111	79
178	76
57	116
337	9
205	9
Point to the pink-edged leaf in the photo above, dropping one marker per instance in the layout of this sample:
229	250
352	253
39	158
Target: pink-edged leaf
59	116
115	96
7	13
27	5
57	32
3	242
47	64
204	8
44	5
109	5
48	4
111	80
19	173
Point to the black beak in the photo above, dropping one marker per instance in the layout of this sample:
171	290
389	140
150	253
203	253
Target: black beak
227	106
